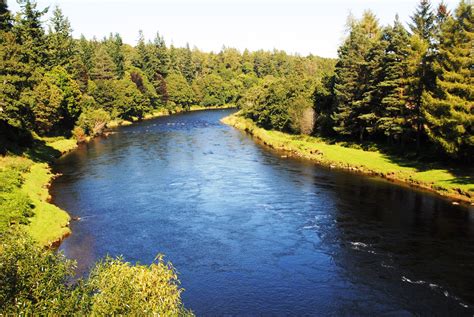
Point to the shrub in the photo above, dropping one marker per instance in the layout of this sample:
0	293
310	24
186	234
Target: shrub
35	281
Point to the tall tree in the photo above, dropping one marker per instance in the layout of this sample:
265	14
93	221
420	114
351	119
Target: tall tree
60	41
5	16
449	110
395	115
114	45
351	77
188	66
31	35
423	30
104	67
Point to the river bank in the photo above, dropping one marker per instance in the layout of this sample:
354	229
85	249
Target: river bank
454	184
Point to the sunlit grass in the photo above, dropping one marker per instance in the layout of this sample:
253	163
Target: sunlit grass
446	181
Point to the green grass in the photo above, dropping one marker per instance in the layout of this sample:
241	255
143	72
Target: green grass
49	223
456	183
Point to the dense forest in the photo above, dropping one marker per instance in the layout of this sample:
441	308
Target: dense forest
52	84
410	89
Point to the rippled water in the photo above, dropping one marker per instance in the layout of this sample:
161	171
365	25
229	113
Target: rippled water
253	233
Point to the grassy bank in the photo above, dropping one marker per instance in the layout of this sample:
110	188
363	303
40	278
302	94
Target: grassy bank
457	184
31	173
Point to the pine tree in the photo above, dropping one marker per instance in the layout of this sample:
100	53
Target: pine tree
188	67
394	113
449	110
114	45
60	41
422	77
5	16
161	55
351	77
104	67
31	35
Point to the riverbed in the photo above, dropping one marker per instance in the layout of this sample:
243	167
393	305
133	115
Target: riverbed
251	232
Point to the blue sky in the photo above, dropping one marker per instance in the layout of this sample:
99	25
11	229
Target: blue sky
296	26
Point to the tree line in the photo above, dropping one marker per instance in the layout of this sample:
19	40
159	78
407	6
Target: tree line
409	89
52	84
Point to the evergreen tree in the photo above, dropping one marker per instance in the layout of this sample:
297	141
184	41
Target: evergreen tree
31	35
60	42
422	78
188	67
449	110
114	45
393	88
351	77
104	67
5	16
161	55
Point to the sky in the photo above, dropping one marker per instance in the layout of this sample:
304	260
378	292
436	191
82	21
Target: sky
296	26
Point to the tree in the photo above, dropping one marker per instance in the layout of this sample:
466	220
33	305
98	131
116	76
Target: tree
394	113
114	46
31	36
60	42
422	76
352	79
46	104
179	91
449	109
104	67
5	16
187	66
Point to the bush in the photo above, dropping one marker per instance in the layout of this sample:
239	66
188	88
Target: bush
121	288
35	281
92	122
15	205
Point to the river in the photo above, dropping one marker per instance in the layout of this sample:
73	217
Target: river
251	232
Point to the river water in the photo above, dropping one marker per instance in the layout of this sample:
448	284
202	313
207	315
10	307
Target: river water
251	232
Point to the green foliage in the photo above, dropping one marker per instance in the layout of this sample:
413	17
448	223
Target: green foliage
449	109
60	43
15	205
35	281
279	104
405	89
179	91
123	289
93	121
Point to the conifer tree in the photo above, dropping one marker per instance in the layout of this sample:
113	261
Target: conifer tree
394	113
114	45
422	77
60	41
449	110
5	16
104	67
352	78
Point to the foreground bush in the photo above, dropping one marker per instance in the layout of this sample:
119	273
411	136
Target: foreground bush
37	281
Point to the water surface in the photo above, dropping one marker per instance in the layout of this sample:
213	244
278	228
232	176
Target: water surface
253	233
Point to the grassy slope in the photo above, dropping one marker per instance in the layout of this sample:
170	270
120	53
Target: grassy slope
457	184
50	223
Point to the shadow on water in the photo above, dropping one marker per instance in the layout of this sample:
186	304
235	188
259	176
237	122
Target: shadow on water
252	233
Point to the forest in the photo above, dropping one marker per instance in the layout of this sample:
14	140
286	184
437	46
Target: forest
410	90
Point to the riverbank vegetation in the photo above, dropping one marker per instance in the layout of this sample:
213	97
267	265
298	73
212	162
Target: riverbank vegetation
451	182
406	93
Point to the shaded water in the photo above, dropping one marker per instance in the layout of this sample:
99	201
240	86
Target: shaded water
253	233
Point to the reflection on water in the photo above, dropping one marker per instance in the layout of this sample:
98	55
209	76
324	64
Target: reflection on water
252	233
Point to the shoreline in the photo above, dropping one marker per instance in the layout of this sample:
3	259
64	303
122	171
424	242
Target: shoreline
323	154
